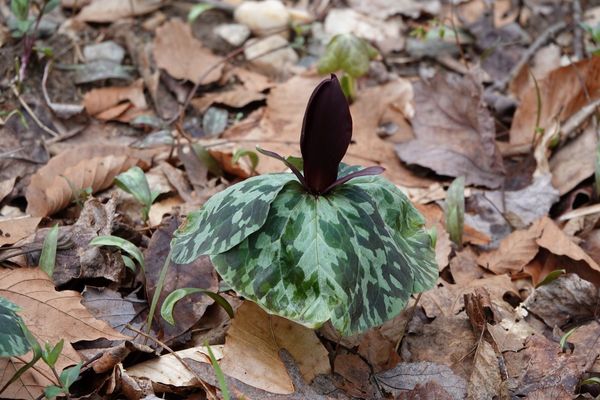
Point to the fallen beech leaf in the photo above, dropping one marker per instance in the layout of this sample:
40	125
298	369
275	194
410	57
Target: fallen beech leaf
225	160
562	94
197	274
279	128
88	166
568	299
113	102
161	208
455	134
113	10
167	369
410	377
183	56
574	162
15	229
252	345
50	316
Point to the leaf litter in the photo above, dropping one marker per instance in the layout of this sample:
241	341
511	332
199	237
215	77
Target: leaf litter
445	105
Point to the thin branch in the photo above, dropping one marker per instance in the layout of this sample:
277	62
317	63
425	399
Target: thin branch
32	114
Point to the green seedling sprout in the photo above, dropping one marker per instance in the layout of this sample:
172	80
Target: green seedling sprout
134	182
455	210
48	256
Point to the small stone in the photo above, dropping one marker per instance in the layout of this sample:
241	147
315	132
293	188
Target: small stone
214	121
108	50
263	17
268	61
346	20
234	34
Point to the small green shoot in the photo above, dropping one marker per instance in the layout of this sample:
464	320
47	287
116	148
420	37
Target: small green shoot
134	182
166	310
564	344
50	354
67	377
122	244
209	161
198	9
218	373
455	210
48	256
250	155
350	54
591	381
552	276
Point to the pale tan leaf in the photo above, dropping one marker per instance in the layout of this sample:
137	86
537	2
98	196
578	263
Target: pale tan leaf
168	370
574	162
50	316
113	10
15	229
235	98
89	166
100	100
183	56
252	346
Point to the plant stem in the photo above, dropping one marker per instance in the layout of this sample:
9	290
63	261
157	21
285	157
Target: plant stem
29	41
157	291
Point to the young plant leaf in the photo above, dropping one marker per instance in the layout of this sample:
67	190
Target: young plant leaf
134	182
124	245
198	9
70	375
129	263
251	155
347	53
320	258
166	310
564	340
51	391
50	354
13	338
227	218
218	373
48	256
455	210
552	276
20	9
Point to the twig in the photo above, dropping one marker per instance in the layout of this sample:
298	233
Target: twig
580	212
32	114
181	360
578	48
552	31
410	317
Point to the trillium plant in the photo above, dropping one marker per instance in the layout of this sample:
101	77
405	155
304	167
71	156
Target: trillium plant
335	243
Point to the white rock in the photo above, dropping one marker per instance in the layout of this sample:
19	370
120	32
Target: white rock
108	50
272	63
346	20
234	34
262	17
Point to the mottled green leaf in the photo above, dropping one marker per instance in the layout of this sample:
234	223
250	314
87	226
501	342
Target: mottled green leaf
348	53
13	338
48	256
227	218
347	256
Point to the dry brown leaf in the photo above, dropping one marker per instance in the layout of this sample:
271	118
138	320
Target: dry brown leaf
113	10
51	316
112	102
6	187
161	208
486	381
88	166
253	81
252	346
515	251
279	129
355	373
562	94
455	133
167	369
574	162
15	229
225	160
183	56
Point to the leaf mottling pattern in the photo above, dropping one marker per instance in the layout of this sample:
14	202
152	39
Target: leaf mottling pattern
227	218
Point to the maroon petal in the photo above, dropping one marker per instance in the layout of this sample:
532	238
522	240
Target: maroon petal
326	134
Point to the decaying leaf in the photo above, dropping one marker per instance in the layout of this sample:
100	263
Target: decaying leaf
108	305
563	92
51	316
14	229
455	134
486	381
113	10
183	56
252	346
121	103
574	162
69	174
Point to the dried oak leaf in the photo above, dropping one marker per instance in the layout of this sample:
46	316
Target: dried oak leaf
50	316
253	343
113	10
563	92
183	56
574	162
121	103
88	166
520	248
455	134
